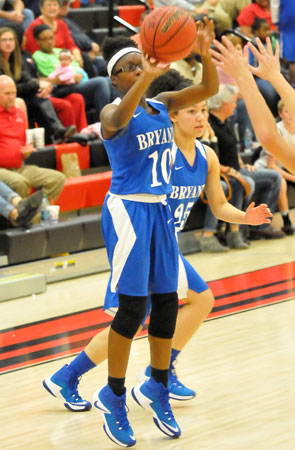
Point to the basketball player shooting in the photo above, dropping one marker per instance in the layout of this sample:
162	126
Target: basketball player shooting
139	234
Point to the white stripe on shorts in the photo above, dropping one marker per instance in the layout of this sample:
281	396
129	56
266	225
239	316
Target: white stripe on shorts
182	280
126	238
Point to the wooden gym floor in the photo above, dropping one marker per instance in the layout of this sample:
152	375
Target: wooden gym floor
241	362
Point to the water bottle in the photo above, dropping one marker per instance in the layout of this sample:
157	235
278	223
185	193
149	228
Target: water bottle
45	210
247	139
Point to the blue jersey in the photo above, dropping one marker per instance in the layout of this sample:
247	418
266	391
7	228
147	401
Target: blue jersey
187	182
140	154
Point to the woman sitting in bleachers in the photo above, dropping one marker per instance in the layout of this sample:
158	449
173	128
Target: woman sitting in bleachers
31	90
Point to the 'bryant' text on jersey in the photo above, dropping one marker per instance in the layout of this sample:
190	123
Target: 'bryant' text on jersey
182	192
157	137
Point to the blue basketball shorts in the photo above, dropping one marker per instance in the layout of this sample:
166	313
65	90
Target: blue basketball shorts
141	246
188	278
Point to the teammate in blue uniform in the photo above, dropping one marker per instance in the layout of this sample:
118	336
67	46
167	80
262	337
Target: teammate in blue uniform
139	232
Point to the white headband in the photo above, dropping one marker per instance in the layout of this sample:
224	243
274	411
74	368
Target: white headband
114	59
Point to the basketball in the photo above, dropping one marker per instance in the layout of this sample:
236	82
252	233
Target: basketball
168	34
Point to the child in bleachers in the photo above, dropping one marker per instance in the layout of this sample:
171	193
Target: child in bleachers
260	28
65	72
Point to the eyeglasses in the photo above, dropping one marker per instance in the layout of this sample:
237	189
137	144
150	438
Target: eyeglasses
7	40
129	67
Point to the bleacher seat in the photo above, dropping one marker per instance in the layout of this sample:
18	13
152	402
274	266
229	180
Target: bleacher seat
43	157
45	241
84	192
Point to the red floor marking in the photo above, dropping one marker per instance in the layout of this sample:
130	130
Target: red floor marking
65	335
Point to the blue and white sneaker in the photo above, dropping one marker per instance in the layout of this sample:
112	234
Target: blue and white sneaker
177	390
63	385
155	397
114	412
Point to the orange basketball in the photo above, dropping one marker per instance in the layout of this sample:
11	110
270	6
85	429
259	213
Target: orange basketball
168	34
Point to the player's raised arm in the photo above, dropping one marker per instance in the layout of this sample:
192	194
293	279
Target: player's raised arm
262	119
209	84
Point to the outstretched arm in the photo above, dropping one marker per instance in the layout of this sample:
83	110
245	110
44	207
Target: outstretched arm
221	208
262	119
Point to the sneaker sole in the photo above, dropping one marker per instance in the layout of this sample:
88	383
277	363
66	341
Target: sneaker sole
103	410
54	390
181	398
145	403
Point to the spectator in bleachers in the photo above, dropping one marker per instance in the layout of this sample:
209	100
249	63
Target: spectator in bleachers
234	7
193	6
62	34
13	13
14	150
283	15
190	67
287	129
260	28
267	181
85	44
97	91
17	211
70	109
209	242
212	8
31	90
261	10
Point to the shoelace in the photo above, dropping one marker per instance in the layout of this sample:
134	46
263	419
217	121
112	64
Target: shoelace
75	393
120	413
166	406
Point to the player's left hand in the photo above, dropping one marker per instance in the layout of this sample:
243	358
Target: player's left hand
205	35
269	61
257	215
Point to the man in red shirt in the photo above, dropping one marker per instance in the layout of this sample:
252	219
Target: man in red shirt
14	150
261	10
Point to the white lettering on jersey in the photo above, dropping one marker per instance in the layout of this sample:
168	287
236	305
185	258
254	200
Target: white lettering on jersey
182	192
157	137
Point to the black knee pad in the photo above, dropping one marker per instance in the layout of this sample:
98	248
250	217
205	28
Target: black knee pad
129	316
163	315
